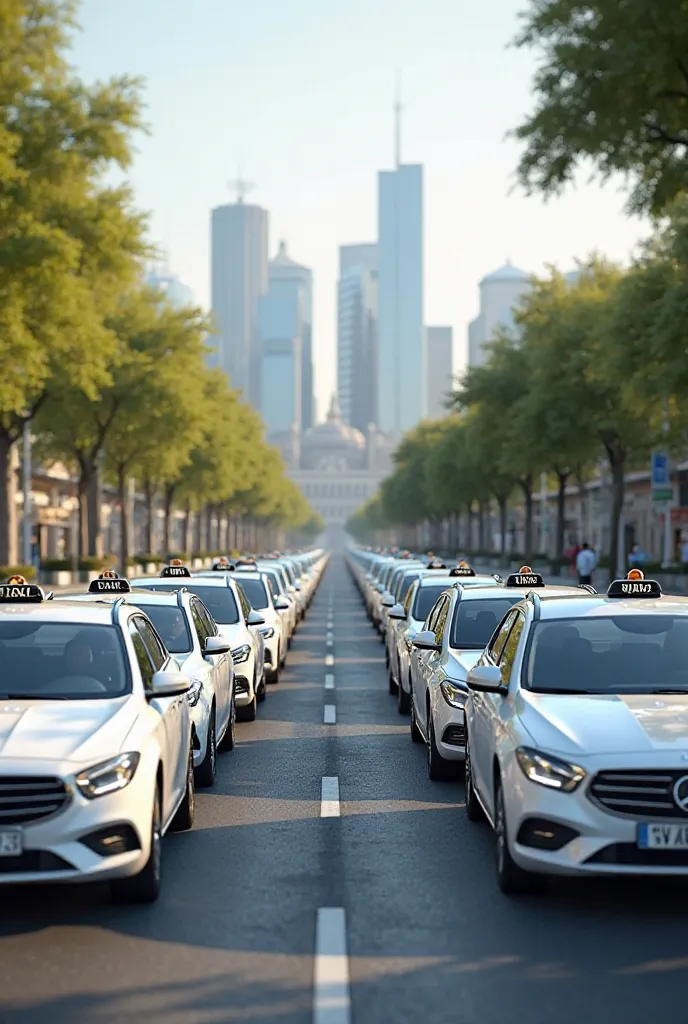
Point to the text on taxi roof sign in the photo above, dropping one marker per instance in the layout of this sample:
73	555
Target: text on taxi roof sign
18	591
175	569
635	586
462	569
109	585
436	563
525	577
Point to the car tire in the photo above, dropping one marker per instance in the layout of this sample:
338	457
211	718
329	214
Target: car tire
144	887
416	735
228	741
186	812
274	677
262	691
439	768
207	769
511	878
386	656
474	809
391	685
248	712
403	700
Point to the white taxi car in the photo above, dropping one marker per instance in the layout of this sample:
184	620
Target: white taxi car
256	589
95	744
577	734
236	621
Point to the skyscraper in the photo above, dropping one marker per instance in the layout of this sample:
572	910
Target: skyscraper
299	279
401	332
500	293
239	276
281	317
357	335
439	370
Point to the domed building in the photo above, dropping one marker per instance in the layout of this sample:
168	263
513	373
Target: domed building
500	293
339	467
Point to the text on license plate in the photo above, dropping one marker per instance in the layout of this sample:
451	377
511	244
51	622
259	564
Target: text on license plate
10	844
663	837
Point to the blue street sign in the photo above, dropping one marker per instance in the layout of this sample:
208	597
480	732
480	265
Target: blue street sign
660	469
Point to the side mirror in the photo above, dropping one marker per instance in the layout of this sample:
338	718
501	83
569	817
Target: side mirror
397	612
168	684
297	587
216	645
486	679
426	641
254	619
387	600
281	604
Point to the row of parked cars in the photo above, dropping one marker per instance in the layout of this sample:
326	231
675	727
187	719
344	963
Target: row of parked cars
564	711
116	703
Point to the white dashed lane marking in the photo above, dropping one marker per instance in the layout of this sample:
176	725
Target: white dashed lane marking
329	799
331	992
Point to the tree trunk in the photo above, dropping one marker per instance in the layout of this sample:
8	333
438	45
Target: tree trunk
149	496
562	479
95	527
186	538
123	498
169	501
503	524
9	554
469	528
82	514
617	463
526	485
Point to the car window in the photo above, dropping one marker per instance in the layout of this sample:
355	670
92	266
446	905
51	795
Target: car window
441	620
199	625
425	599
406	584
475	621
142	656
497	645
255	593
219	601
206	618
432	617
508	655
170	623
245	606
158	654
409	600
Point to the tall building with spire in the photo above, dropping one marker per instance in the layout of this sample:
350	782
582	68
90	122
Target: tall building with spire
401	387
239	277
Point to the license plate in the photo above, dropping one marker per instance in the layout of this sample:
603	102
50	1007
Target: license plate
663	837
10	844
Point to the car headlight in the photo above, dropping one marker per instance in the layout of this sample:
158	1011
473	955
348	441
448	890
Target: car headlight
268	632
453	695
108	776
193	695
549	771
241	654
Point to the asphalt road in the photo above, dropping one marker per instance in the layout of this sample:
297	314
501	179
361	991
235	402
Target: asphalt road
430	939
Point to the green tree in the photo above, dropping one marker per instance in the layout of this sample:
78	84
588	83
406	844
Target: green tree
611	89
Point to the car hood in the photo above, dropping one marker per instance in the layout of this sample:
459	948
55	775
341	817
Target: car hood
236	634
74	730
605	723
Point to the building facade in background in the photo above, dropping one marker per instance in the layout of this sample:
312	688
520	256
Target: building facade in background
500	294
239	277
281	319
285	270
357	353
401	387
439	345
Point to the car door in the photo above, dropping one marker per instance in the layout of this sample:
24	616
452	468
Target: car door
256	636
220	667
422	661
480	723
168	708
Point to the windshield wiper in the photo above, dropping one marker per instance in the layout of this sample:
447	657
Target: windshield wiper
32	696
683	692
568	693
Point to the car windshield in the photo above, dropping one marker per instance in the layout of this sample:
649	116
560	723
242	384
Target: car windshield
61	661
255	592
425	599
609	654
475	621
219	601
273	584
406	584
170	622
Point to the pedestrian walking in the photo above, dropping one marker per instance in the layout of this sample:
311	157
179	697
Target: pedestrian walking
586	561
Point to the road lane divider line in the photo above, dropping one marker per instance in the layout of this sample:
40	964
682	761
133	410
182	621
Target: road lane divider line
329	660
329	797
330	714
329	682
331	982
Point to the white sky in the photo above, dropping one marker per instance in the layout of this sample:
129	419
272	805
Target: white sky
301	94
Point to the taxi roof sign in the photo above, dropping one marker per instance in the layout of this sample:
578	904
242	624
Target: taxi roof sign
175	568
109	583
20	593
436	563
525	578
635	586
462	569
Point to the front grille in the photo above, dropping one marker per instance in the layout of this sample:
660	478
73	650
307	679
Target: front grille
33	861
455	735
639	793
628	855
26	798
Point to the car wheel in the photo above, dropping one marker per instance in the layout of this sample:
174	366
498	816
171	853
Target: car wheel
474	810
403	699
207	769
228	741
439	768
186	812
511	878
391	685
144	887
386	656
261	692
415	731
274	677
248	712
